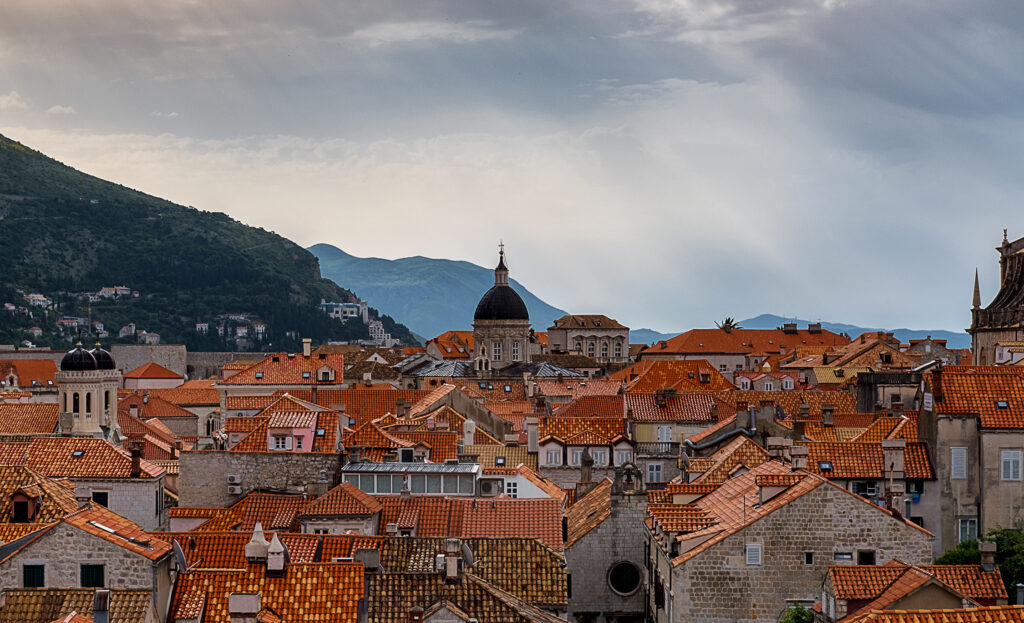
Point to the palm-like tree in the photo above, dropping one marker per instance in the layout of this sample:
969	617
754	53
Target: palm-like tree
728	324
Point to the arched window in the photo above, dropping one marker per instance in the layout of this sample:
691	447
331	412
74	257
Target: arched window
604	349
106	401
77	402
618	349
65	402
590	349
88	404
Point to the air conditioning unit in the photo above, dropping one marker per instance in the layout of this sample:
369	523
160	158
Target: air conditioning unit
439	562
490	487
234	479
234	490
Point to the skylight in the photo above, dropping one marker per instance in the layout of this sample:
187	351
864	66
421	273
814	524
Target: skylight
825	466
102	527
78	454
259	375
1002	404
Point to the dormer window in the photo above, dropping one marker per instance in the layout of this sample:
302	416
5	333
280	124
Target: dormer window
259	375
306	375
825	466
499	461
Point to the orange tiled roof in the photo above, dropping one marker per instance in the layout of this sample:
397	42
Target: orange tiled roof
188	395
865	460
276	511
443	444
565	427
790	401
306	592
152	370
256	441
743	341
54	498
682	375
54	457
42	371
151	407
28	418
345	499
574	389
109	526
741	451
867	582
594	406
589	511
685	407
982	391
508	407
38	605
290	369
986	614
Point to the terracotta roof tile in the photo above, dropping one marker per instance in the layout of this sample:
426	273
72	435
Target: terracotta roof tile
40	605
589	511
790	401
345	499
647	376
987	614
865	460
868	582
995	394
743	341
290	369
565	427
114	528
29	418
575	389
42	371
152	370
55	457
511	456
684	407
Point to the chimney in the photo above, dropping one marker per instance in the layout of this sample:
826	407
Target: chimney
814	327
468	432
798	454
400	410
452	561
145	398
893	451
370	557
368	379
988	554
894	498
767	414
775	447
136	469
805	411
243	607
133	409
532	431
827	411
307	347
897	407
277	555
83	495
416	615
799	426
101	606
659	397
256	549
586	465
431	423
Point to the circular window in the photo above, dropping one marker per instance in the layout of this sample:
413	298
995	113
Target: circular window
624	578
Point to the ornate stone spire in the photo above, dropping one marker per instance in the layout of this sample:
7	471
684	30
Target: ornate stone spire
501	271
977	291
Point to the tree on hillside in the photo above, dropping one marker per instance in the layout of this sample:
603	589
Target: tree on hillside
728	324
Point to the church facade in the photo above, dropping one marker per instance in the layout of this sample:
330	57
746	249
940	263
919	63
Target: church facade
1002	320
501	325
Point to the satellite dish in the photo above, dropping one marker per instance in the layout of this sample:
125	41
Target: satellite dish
467	555
179	555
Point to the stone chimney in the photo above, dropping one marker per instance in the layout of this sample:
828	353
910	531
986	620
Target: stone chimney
243	607
452	561
401	410
101	606
257	549
307	347
798	454
827	412
468	432
767	414
370	557
532	432
776	447
277	556
988	554
133	409
83	495
893	451
136	468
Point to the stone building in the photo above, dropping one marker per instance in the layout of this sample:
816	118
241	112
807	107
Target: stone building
1001	320
604	551
90	548
599	337
501	325
973	422
763	539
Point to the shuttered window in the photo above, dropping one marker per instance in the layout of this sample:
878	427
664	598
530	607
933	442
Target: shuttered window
753	554
958	463
1011	464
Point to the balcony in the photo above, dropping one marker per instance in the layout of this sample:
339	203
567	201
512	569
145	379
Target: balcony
656	448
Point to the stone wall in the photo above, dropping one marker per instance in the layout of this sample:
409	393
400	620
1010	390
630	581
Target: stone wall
138	499
131	356
718	586
203	365
588	561
203	479
64	548
567	476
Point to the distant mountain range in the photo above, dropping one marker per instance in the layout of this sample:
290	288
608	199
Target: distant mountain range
430	296
66	234
954	339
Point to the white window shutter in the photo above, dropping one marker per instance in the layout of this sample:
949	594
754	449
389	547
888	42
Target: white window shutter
287	443
958	460
753	554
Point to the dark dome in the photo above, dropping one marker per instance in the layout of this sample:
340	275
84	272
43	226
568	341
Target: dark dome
77	360
501	303
104	361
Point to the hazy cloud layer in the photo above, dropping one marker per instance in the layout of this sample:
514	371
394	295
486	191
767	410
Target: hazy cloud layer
665	162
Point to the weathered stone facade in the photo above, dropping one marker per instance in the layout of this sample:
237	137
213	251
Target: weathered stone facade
619	538
204	474
718	586
131	356
138	499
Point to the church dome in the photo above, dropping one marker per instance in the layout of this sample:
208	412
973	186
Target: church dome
501	302
104	360
78	360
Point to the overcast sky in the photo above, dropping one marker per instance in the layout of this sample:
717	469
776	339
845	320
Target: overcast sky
665	162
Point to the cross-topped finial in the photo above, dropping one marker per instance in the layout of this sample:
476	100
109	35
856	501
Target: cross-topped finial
501	247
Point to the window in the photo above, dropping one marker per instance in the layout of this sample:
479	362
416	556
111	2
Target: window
1010	460
624	578
33	576
499	461
101	497
259	375
664	434
515	351
554	457
622	457
577	457
579	345
325	376
604	350
321	531
967	529
739	367
808	558
618	349
744	383
769	386
590	349
600	458
842	556
280	443
511	488
787	383
92	576
722	367
867	489
866	557
305	375
753	554
496	350
20	511
654	472
298	442
958	463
